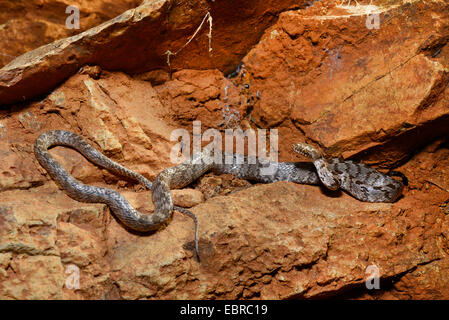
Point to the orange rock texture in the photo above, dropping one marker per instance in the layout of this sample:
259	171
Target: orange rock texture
26	25
369	82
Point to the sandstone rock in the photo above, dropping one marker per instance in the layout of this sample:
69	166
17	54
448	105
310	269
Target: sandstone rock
187	198
353	89
273	252
259	241
18	170
263	253
36	245
27	25
33	277
427	281
161	27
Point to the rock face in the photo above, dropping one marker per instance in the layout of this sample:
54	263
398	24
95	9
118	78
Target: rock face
141	38
324	74
26	25
332	66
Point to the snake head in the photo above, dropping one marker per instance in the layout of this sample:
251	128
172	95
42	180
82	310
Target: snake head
307	150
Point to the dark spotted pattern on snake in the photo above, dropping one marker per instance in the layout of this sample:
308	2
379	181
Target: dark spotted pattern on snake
361	181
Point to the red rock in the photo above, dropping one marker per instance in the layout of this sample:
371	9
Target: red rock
187	198
387	98
353	89
30	24
162	27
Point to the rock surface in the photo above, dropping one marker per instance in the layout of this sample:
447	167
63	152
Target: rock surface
318	74
353	89
26	25
141	38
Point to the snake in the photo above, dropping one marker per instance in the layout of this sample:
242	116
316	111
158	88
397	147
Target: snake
359	180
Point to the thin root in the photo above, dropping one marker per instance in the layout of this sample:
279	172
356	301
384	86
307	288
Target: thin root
207	17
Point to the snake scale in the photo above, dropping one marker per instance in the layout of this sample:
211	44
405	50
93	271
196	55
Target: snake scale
362	182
